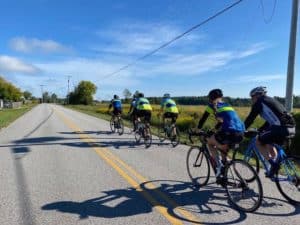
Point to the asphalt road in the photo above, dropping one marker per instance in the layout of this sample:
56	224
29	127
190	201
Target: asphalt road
58	166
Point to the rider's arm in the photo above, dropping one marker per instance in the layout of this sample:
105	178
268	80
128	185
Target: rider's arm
203	119
256	109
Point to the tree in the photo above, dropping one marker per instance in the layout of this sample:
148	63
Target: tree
8	91
83	93
53	98
27	95
127	94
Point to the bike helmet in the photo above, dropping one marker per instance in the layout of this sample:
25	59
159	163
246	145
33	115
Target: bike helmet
116	97
167	95
258	91
214	94
141	95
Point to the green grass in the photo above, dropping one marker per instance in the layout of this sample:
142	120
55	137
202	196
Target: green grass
7	116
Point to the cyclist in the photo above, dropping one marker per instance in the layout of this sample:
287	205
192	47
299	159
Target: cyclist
117	106
132	110
279	124
143	108
230	128
168	106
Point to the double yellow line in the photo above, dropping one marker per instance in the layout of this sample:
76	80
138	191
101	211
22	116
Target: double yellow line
115	161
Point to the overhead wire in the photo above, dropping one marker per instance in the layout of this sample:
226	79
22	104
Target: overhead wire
268	20
174	39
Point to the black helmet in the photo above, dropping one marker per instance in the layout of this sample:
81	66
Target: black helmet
167	95
141	95
258	91
116	97
214	94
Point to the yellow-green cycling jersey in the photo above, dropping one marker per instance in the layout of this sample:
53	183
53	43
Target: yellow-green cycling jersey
143	104
169	105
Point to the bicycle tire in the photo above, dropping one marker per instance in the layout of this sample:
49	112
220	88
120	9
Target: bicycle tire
161	134
292	179
175	138
112	125
255	158
147	137
235	179
120	126
196	165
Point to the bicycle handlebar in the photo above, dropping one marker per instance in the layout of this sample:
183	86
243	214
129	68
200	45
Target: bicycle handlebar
199	133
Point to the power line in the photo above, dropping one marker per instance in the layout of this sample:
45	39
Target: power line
267	21
175	38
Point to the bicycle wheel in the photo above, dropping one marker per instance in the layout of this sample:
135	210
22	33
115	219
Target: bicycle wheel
245	195
252	160
287	179
147	137
120	126
112	125
161	134
198	166
175	137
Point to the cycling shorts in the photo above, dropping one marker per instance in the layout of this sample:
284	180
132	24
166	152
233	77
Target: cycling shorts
171	115
146	114
229	137
276	134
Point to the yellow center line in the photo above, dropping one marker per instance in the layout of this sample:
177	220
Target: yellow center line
157	206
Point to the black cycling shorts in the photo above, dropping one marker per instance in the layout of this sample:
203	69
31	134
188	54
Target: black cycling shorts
276	134
146	114
117	111
171	115
229	137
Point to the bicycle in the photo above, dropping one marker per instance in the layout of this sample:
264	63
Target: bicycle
169	130
245	195
116	124
143	131
287	168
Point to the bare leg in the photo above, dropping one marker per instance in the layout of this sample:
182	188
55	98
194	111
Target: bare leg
268	151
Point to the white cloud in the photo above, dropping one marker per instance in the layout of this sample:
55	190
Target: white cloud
254	49
28	45
260	78
140	38
13	65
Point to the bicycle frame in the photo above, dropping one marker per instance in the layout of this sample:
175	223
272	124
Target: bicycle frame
281	157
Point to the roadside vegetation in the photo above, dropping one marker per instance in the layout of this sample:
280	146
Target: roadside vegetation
7	116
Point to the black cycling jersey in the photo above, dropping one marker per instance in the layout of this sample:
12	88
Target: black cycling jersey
272	111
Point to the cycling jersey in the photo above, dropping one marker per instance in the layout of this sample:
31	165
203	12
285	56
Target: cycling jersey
169	105
143	104
271	111
116	104
230	119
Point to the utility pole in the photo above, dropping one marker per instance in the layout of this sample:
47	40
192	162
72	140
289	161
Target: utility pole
69	89
292	56
42	92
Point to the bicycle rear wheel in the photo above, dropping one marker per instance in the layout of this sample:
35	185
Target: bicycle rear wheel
120	126
112	125
288	179
147	137
198	166
175	137
244	194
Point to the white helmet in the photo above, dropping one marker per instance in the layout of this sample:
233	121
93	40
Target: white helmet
258	91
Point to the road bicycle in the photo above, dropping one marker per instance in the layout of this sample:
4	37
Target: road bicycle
169	130
116	124
234	175
285	172
143	131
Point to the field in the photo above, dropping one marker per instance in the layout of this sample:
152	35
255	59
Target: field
188	118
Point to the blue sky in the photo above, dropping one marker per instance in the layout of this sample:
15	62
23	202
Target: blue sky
44	41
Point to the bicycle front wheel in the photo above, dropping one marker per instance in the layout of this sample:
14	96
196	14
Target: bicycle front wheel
252	159
287	179
161	134
198	166
244	193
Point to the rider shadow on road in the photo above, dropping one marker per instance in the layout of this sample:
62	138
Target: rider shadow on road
129	202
